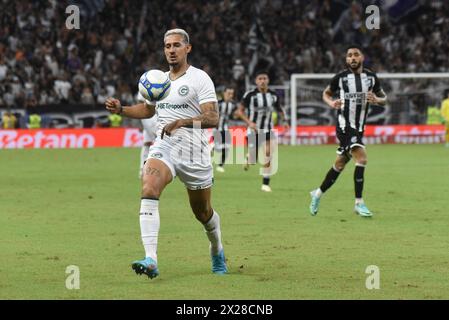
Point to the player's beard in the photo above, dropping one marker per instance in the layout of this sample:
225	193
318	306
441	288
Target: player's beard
354	68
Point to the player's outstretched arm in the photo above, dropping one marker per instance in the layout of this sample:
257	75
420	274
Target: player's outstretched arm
136	111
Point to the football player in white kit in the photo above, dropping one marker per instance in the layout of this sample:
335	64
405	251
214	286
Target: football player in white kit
181	149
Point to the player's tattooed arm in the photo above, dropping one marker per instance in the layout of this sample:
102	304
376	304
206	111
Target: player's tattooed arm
379	98
137	111
207	119
327	98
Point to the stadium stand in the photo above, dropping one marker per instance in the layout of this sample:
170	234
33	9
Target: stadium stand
44	63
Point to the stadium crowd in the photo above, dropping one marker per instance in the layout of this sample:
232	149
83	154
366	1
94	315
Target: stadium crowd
43	62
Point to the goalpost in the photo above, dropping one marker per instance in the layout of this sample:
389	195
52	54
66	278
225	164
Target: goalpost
409	95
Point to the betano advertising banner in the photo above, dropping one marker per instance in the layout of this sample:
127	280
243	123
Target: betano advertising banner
131	137
69	138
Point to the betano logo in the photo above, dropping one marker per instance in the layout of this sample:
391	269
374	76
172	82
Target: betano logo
11	139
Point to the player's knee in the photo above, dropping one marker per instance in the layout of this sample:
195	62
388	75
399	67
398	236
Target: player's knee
362	161
150	190
339	166
202	212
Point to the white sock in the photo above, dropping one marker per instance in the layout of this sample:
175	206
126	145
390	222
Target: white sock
213	232
358	200
149	226
318	193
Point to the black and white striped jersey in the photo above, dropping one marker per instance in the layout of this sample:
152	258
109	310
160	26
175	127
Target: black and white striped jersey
225	109
352	89
260	106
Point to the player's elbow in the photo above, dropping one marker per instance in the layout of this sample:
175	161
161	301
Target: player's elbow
150	110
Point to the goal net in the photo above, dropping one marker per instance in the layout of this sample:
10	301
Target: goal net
410	95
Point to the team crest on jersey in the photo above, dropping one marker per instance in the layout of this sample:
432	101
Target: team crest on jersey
369	82
183	91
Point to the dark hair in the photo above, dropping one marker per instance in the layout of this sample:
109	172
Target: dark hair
258	73
228	86
354	46
446	93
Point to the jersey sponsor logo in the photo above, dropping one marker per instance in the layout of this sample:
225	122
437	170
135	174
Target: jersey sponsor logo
183	90
357	97
156	155
354	139
166	105
354	95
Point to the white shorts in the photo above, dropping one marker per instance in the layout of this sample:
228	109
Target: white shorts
191	164
149	129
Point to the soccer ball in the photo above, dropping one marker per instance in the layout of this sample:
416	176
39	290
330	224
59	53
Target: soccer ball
154	85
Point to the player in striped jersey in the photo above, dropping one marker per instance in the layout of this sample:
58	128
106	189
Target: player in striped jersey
260	104
356	88
222	137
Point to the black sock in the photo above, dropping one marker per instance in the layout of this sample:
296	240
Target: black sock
223	157
330	179
358	180
266	181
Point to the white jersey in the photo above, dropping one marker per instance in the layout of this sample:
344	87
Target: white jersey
186	95
186	151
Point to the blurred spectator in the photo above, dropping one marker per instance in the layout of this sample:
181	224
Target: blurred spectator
115	120
445	114
9	120
3	68
34	121
238	70
62	87
87	96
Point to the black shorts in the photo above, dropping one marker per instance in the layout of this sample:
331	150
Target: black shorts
349	139
256	140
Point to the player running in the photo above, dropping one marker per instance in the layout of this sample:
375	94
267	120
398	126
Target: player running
222	137
356	88
259	104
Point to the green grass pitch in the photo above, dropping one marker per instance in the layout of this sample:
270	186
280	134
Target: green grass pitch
80	207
